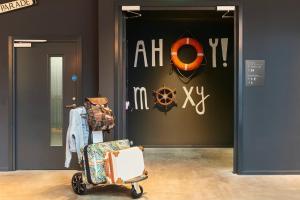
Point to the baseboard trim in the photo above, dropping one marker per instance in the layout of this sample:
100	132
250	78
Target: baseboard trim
269	172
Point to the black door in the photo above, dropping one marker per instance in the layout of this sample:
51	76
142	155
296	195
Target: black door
47	79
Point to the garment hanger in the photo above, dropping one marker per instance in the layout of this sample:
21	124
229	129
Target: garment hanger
226	16
135	14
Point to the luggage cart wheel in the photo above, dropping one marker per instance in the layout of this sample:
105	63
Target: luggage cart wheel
77	184
136	191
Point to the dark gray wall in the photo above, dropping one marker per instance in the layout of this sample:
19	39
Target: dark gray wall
106	49
55	18
107	54
269	137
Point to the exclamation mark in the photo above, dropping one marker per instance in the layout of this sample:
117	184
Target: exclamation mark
224	43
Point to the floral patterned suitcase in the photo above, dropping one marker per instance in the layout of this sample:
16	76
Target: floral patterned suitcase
93	160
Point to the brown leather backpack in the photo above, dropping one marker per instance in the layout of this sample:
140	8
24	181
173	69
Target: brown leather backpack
100	116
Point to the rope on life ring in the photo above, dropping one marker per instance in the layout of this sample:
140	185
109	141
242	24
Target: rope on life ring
187	66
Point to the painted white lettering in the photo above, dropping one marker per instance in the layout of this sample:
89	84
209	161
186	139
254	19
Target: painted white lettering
214	51
143	96
200	106
224	43
140	48
188	97
159	50
201	102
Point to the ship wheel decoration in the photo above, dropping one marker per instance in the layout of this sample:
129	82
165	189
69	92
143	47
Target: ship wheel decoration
164	97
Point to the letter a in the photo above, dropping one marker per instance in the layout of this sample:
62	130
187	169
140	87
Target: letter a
140	48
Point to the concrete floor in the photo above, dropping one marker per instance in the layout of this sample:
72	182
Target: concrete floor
200	174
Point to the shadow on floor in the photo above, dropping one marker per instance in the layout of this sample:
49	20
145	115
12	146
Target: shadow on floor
99	191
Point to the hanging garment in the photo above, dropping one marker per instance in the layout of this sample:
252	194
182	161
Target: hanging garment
85	126
77	134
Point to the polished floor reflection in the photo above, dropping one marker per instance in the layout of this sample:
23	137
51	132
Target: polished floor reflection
200	174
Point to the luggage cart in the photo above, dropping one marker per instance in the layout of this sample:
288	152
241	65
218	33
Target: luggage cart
81	186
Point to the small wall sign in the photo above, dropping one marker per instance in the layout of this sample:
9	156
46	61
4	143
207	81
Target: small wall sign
255	72
15	5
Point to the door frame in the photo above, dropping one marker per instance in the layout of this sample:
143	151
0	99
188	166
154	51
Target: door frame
12	85
120	66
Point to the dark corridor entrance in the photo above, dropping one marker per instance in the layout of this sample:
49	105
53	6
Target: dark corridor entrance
48	77
203	113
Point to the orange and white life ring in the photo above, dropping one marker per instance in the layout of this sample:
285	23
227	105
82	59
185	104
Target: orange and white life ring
187	66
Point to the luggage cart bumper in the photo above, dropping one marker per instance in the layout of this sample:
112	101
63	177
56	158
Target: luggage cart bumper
137	179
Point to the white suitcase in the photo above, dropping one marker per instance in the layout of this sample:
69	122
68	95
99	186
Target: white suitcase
124	165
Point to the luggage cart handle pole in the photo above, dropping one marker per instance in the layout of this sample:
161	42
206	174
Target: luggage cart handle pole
71	106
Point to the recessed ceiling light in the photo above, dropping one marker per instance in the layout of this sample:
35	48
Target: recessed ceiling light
131	8
29	40
22	45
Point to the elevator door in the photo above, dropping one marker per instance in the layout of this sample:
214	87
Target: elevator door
47	79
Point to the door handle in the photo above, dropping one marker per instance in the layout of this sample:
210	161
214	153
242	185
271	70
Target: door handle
71	106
